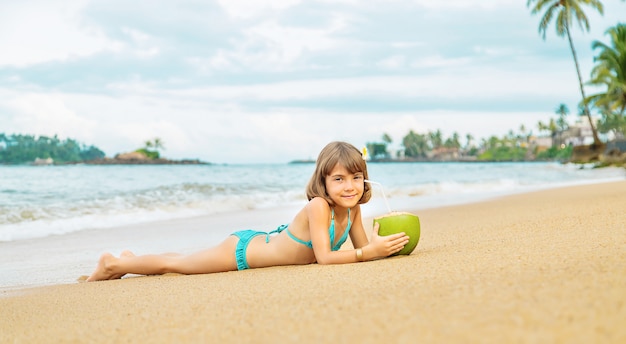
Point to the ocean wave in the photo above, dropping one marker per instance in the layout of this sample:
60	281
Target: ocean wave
32	220
34	204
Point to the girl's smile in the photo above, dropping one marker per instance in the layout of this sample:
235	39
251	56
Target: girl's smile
344	187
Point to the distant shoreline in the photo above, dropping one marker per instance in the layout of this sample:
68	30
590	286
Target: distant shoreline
113	161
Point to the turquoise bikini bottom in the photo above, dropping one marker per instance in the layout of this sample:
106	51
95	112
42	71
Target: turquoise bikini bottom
242	246
245	236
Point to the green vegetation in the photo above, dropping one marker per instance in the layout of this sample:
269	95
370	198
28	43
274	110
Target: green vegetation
610	72
503	149
433	146
151	148
555	153
20	149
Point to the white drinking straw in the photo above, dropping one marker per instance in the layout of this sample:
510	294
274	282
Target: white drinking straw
382	189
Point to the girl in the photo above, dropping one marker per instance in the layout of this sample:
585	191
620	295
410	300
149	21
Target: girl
335	192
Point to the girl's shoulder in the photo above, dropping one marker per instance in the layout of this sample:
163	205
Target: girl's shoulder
317	204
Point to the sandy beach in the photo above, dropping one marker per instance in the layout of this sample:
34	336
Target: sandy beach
540	267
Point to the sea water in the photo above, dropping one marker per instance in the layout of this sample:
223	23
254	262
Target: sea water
41	201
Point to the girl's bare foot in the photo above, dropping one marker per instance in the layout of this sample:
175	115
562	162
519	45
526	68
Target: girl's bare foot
124	254
103	270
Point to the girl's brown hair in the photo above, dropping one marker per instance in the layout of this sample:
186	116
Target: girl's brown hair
335	153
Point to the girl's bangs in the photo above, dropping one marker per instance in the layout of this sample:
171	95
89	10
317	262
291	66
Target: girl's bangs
354	163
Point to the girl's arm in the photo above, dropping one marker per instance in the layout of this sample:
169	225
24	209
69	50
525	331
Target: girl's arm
357	233
318	212
383	246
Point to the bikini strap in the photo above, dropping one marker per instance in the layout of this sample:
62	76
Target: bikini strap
276	231
300	241
331	229
344	237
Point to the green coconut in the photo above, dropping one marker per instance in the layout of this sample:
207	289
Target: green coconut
398	222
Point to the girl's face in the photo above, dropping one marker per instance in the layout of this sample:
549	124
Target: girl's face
343	187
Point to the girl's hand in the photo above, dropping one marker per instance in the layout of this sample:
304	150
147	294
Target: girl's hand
384	246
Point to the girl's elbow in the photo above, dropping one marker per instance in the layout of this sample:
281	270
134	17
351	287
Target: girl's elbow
324	261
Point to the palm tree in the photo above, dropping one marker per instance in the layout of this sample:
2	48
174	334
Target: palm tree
468	139
565	11
456	140
157	143
415	145
542	127
611	122
387	139
436	138
523	135
610	72
562	111
553	130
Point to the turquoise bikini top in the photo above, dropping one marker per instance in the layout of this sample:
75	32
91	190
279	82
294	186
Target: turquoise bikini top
331	231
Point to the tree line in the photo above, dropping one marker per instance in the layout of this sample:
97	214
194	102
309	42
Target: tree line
20	149
515	145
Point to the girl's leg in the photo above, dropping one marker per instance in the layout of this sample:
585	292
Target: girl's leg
125	253
217	259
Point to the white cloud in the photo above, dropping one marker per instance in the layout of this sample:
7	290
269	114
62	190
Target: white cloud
245	9
465	4
405	44
143	45
438	61
399	125
39	31
136	35
393	62
464	83
270	46
47	114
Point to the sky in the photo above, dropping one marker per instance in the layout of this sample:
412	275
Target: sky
270	81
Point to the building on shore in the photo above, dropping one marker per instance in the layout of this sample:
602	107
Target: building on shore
43	162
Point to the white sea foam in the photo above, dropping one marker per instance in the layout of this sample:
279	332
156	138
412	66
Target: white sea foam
39	202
